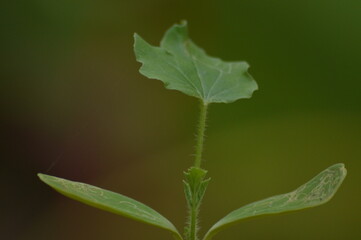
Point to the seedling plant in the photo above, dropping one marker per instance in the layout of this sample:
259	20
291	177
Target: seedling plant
181	65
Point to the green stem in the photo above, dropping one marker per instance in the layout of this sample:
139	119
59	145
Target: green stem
193	224
194	208
200	134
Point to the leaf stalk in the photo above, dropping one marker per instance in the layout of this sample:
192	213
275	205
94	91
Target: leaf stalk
200	135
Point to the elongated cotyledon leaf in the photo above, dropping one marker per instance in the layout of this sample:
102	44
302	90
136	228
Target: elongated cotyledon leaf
109	201
185	67
317	191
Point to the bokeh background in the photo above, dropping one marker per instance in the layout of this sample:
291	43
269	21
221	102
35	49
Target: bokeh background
73	105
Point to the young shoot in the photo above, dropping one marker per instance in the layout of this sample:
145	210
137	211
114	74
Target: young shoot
183	66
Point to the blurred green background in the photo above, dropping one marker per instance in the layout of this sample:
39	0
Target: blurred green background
73	105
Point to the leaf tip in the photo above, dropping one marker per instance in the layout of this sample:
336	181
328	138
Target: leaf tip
41	176
44	178
139	45
136	38
183	22
343	169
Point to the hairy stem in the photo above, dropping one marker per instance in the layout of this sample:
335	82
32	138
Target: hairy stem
193	225
194	202
200	134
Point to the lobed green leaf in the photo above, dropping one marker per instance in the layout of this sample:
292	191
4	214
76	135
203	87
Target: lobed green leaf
185	67
109	201
317	191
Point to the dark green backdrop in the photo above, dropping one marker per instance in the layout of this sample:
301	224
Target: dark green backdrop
74	105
